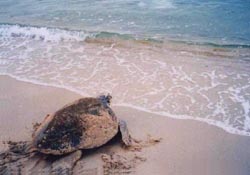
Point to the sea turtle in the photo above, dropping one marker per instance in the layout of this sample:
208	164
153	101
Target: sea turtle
84	124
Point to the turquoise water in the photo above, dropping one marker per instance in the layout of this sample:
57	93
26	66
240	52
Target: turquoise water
215	21
177	58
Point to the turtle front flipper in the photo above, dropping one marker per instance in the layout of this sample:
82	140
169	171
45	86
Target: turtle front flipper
126	137
65	165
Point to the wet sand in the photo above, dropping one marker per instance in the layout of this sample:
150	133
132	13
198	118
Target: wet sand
186	147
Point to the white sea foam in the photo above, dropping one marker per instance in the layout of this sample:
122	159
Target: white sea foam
162	80
41	33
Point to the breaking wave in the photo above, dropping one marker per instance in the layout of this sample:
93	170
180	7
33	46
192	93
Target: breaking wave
41	33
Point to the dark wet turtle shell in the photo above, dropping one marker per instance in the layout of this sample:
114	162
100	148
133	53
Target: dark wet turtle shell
86	123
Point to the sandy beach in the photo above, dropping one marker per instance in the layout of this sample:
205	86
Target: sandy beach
186	147
177	71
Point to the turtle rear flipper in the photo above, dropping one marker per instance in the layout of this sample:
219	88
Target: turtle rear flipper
126	137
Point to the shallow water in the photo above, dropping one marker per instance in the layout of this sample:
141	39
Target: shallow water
220	21
187	60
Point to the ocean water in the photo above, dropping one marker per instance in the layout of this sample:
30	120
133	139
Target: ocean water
178	58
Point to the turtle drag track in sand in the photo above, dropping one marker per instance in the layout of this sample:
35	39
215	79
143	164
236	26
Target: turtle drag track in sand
21	159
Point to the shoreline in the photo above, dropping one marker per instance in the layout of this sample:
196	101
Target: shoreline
179	80
187	146
183	117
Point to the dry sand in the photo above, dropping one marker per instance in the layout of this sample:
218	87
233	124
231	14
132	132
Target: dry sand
187	147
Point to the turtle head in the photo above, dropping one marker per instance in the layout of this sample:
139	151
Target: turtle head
105	99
